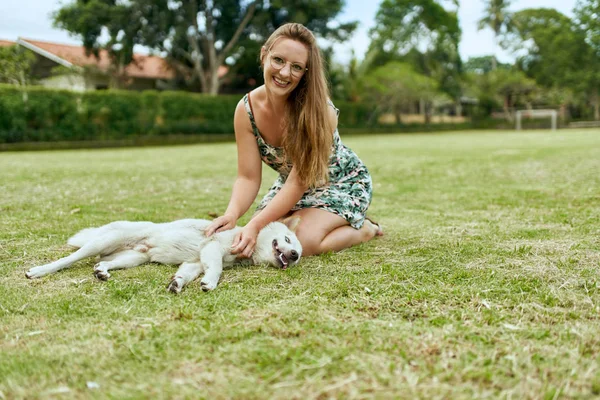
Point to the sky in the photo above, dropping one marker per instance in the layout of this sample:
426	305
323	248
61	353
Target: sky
31	19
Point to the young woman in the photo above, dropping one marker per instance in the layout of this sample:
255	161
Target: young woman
291	125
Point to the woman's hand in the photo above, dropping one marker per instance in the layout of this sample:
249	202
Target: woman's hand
245	241
220	224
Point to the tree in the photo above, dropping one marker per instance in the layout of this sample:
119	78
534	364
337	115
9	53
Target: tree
92	19
198	36
397	87
499	19
587	14
557	53
347	81
317	15
506	88
423	33
483	65
15	66
512	87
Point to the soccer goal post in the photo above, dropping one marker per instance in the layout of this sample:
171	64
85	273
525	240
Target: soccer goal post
537	114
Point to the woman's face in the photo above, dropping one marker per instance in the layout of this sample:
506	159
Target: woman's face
284	65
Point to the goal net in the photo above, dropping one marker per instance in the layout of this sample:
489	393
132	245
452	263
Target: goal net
553	114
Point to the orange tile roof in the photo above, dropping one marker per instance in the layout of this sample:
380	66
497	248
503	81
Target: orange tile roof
6	43
144	66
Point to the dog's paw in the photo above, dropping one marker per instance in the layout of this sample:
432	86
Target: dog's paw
175	286
102	275
206	285
101	272
35	272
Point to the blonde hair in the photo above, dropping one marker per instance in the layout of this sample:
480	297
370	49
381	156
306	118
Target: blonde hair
309	131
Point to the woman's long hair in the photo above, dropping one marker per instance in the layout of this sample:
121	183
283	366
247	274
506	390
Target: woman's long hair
309	132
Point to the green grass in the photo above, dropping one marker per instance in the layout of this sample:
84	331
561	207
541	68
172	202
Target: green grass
485	284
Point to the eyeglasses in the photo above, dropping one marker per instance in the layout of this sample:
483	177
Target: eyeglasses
278	63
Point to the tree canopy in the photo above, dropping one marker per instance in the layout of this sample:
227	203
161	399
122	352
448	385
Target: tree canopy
424	33
198	36
15	65
557	52
499	19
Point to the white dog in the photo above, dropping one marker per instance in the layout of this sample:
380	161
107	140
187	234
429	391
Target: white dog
125	244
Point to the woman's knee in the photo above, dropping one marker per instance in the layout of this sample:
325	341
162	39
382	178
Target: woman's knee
309	239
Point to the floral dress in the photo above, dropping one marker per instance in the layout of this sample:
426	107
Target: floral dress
348	192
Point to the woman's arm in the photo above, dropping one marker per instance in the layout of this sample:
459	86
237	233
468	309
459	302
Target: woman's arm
247	183
280	205
282	202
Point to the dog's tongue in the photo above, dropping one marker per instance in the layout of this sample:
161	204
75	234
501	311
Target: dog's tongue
283	260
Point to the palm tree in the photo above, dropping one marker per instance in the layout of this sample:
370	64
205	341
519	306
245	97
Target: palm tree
496	17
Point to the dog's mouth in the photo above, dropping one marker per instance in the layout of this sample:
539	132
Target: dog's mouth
279	256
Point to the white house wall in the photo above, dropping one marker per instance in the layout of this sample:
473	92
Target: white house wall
71	82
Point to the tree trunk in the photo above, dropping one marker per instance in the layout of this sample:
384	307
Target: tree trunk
506	108
494	63
23	85
212	82
458	109
209	76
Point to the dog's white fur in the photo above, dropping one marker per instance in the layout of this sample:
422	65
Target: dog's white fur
125	244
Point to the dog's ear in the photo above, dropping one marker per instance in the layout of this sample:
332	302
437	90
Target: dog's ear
292	223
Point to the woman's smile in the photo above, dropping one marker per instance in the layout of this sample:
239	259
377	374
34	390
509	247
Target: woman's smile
280	82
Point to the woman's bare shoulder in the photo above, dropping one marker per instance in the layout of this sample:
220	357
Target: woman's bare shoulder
332	114
241	119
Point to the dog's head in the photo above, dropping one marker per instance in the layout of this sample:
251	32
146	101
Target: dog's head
278	245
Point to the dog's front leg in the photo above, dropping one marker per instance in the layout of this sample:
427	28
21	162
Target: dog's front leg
187	272
211	257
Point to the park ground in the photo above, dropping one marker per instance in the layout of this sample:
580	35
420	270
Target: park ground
485	284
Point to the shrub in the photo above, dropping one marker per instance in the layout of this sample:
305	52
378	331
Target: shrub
42	114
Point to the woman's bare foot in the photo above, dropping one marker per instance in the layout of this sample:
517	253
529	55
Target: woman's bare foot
375	226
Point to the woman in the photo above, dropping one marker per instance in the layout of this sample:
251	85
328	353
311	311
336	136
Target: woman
291	125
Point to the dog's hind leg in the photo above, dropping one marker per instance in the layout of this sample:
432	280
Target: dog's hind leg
120	260
211	257
187	272
89	249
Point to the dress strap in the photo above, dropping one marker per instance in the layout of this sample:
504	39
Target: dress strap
248	105
337	111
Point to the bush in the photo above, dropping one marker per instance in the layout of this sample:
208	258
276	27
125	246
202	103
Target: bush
42	114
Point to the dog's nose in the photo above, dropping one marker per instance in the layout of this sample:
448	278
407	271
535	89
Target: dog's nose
294	255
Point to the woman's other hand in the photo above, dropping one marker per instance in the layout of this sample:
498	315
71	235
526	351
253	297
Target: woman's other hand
245	241
220	224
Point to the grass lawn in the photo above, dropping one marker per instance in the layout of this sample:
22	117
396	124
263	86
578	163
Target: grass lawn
485	285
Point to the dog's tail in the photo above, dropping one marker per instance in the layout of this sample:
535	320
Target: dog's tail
82	237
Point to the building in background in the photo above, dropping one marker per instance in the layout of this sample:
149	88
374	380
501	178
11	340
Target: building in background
65	66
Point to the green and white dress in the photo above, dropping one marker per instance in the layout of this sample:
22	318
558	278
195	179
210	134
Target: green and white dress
348	192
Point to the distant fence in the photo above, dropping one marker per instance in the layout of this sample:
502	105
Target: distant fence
584	124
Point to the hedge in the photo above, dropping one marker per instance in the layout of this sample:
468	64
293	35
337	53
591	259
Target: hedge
49	115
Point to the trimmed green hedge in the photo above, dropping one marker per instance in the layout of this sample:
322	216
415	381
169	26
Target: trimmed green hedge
48	115
41	114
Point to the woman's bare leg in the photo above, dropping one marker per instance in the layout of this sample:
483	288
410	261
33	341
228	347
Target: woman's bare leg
320	231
